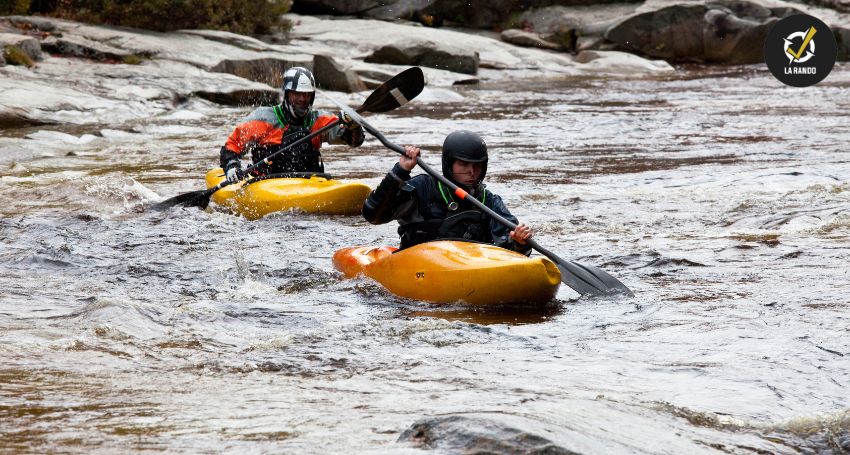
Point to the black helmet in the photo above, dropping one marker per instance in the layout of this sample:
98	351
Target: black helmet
298	79
466	146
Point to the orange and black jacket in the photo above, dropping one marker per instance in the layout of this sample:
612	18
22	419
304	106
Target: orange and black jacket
270	128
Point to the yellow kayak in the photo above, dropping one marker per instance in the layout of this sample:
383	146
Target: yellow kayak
311	195
448	271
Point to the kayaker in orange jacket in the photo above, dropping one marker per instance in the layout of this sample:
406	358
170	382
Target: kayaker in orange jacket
426	210
271	128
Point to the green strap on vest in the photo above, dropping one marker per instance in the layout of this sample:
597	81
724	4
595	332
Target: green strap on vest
279	113
448	197
308	120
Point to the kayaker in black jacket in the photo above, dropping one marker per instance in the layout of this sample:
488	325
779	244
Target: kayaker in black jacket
271	128
427	210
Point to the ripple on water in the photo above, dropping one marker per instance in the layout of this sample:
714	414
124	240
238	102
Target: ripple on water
197	331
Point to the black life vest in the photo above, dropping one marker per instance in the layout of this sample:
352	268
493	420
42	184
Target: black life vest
461	225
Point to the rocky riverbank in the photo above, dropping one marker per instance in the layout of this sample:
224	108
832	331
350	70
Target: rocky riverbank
58	72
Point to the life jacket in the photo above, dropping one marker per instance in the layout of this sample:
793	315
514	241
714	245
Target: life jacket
304	157
443	220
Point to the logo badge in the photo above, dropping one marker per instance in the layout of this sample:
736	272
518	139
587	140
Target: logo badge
800	50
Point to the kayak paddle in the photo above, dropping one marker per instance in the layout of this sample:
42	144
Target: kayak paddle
390	95
584	279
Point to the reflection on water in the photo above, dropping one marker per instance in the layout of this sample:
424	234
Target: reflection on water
195	331
493	315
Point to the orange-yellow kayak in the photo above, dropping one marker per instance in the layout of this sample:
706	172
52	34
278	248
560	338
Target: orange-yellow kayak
448	271
311	195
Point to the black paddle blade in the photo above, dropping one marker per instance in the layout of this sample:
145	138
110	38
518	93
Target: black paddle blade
192	199
396	92
584	279
587	279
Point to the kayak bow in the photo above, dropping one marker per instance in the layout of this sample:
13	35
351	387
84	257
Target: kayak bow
314	194
448	271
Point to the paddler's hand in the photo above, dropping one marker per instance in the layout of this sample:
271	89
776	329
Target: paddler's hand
408	160
521	234
347	121
234	172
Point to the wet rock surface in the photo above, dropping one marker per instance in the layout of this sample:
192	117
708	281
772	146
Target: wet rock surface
268	71
528	39
840	5
163	69
83	48
26	44
715	32
332	75
191	331
477	435
433	55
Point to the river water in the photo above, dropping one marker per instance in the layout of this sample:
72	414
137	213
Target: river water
721	197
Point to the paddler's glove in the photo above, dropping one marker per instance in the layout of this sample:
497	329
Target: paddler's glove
234	171
347	121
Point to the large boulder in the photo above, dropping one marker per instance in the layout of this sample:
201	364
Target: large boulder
241	97
331	75
704	32
527	39
574	27
471	13
426	53
461	434
27	44
592	19
268	70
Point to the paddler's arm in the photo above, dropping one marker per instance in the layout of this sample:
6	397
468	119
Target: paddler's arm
347	132
502	235
388	201
252	130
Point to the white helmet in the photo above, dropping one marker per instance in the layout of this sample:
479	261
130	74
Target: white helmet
298	79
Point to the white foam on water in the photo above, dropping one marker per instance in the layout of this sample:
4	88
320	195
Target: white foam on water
174	130
439	95
47	135
183	115
125	191
272	344
143	192
253	289
118	134
144	93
